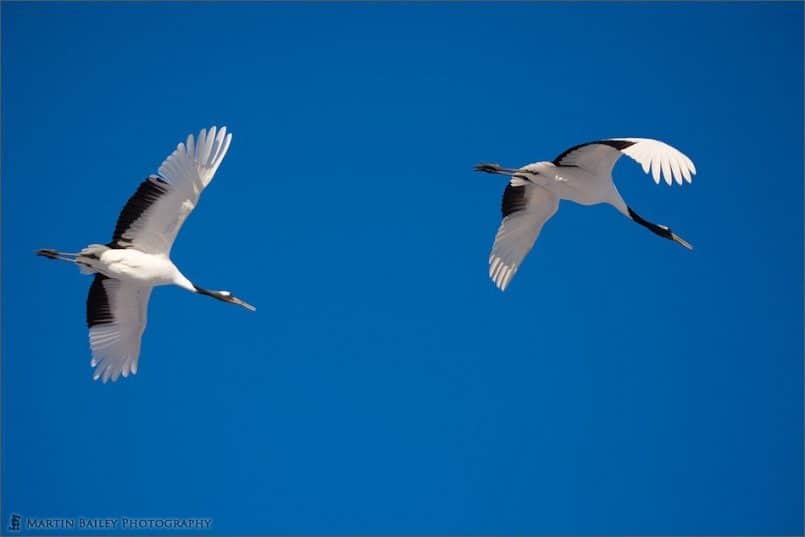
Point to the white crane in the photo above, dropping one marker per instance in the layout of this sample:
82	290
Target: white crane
138	258
582	174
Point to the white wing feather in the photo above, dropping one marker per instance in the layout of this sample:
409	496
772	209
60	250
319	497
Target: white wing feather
116	345
186	172
658	158
517	233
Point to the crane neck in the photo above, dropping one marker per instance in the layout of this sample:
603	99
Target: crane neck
182	281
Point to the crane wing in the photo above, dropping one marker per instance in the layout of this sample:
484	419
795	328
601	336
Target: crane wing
525	210
116	316
658	157
154	214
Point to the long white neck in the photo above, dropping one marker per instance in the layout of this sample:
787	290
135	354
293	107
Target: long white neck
617	201
180	280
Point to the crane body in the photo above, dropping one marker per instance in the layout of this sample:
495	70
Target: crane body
138	257
582	174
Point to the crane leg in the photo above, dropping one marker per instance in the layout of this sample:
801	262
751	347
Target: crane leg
53	254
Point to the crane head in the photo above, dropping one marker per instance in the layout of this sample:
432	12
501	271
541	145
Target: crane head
224	296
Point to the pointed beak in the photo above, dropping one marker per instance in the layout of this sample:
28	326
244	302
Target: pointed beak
681	241
239	302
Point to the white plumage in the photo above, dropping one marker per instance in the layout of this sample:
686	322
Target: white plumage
116	345
600	157
582	174
518	231
187	172
137	258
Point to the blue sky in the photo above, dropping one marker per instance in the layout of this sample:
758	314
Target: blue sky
623	385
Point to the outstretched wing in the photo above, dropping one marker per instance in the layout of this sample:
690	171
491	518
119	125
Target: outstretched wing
154	214
599	158
116	317
525	209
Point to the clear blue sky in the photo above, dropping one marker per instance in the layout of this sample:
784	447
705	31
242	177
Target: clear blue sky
623	385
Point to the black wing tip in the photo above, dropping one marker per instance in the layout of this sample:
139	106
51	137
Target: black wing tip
514	200
99	310
143	198
620	145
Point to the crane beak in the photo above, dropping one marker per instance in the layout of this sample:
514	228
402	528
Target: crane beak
239	302
224	296
680	240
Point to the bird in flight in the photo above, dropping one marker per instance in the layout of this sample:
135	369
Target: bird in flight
138	257
582	174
